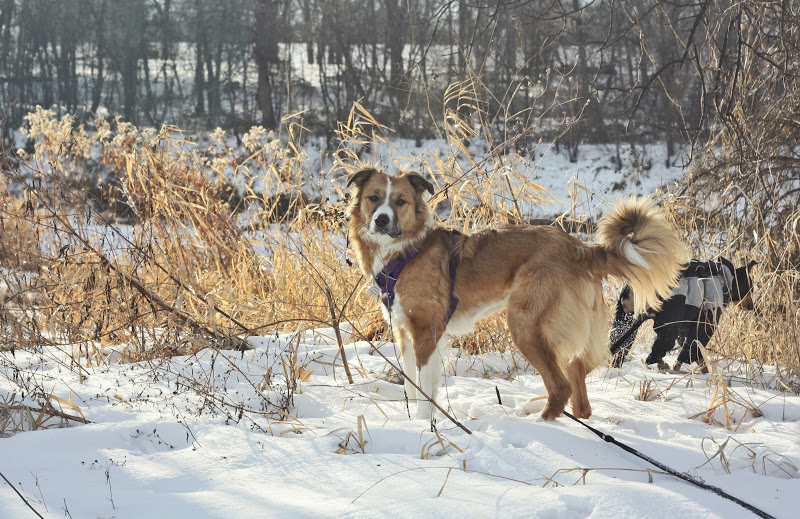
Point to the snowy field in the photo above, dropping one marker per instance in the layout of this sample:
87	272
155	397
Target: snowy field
200	436
187	437
578	188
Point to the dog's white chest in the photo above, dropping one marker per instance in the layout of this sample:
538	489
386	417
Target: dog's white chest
397	315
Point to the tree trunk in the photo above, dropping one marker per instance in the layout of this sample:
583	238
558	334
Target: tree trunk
395	41
200	107
99	78
213	89
265	40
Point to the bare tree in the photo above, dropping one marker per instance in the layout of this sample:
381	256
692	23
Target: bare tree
127	46
266	36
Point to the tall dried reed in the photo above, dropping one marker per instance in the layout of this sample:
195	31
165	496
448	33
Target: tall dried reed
152	243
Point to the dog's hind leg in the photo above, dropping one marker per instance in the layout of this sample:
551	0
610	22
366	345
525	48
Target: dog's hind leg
668	325
538	350
526	314
698	330
576	371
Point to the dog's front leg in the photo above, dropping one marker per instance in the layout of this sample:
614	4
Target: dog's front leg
409	364
430	364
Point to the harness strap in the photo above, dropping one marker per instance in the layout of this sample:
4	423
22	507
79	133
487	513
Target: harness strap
386	279
455	236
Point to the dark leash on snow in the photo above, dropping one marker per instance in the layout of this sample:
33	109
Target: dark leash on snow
607	437
673	472
610	439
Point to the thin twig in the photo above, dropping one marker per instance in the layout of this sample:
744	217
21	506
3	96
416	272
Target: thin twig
335	323
21	496
423	393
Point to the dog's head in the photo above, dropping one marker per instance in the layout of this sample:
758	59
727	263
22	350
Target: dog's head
389	209
741	287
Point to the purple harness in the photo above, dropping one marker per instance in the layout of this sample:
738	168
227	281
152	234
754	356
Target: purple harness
387	278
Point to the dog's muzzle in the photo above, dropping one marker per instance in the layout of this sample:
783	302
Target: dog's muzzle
383	224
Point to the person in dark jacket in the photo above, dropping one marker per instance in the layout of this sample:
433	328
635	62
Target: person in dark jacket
688	317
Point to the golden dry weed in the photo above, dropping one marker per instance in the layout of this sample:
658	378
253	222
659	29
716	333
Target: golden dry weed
131	244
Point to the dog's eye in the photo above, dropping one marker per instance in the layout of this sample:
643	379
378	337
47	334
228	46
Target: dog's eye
373	198
400	202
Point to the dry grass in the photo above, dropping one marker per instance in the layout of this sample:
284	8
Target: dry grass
769	335
16	415
757	456
163	255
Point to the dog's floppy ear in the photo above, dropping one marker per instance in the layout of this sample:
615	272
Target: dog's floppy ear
359	178
419	183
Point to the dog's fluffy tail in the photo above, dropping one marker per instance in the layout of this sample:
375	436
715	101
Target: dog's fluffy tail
642	249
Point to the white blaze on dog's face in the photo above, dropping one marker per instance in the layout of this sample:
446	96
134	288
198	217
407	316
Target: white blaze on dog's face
385	205
390	209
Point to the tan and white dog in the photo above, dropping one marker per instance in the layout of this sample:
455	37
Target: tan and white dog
548	282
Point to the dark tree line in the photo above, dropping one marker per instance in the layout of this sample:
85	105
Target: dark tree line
624	71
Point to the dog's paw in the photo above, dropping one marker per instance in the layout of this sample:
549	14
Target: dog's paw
659	366
549	414
582	412
425	411
541	419
537	418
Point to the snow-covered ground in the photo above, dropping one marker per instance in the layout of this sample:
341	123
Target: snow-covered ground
580	189
187	437
581	186
200	437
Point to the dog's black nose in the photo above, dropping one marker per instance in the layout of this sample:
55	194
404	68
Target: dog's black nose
382	220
